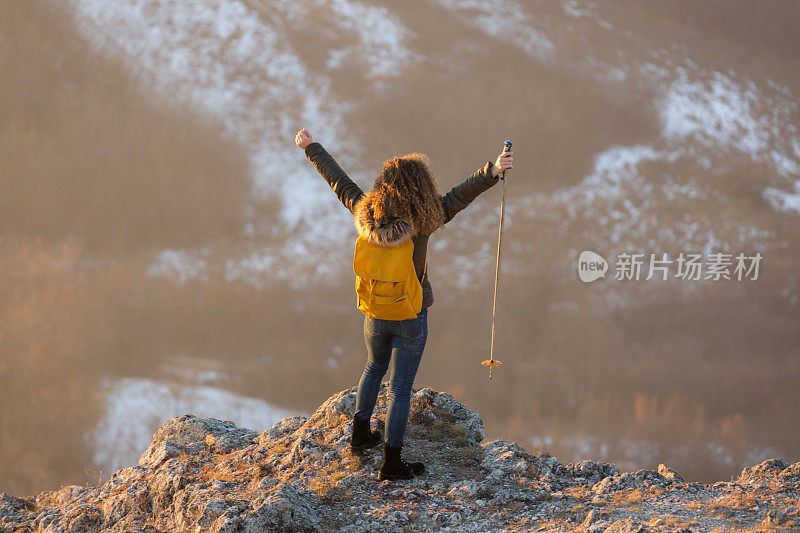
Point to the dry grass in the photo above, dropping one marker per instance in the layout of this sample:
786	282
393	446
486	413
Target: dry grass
237	477
443	430
728	507
579	492
326	488
515	507
96	475
675	522
629	497
739	501
722	511
472	455
788	526
691	506
278	448
220	467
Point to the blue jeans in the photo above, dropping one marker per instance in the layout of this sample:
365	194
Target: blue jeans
399	343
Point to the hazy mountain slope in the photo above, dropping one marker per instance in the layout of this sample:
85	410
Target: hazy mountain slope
633	128
86	153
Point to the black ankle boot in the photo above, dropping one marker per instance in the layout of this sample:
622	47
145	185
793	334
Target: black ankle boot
417	467
362	438
395	467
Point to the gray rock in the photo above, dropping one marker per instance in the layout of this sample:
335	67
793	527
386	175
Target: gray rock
192	435
203	474
426	398
626	526
669	473
592	471
641	479
463	489
9	505
594	521
768	468
289	510
503	460
774	517
283	427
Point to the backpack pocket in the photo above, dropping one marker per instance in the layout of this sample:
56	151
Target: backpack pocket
388	292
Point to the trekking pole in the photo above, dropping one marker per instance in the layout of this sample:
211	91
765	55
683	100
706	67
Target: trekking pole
492	362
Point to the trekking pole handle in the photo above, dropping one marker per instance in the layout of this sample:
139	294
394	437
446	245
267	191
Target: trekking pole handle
506	148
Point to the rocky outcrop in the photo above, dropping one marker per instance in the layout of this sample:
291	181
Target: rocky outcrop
202	474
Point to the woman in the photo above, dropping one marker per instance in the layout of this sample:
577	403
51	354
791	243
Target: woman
403	204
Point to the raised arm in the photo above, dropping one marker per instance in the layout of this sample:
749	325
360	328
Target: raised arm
480	181
346	190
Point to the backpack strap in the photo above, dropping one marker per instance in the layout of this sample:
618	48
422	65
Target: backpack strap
425	267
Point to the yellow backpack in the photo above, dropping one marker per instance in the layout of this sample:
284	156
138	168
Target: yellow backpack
386	282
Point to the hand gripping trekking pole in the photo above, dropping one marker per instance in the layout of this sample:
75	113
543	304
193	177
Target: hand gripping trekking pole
492	362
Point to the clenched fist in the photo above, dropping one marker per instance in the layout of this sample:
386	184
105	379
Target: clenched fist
504	162
303	138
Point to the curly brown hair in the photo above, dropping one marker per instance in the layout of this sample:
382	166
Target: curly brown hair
408	180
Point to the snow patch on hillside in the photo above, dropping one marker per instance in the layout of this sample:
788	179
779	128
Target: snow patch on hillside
614	193
381	34
505	20
783	200
136	407
718	112
715	112
180	265
230	58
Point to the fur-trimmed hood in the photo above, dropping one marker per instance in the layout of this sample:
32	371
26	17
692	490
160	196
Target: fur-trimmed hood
376	219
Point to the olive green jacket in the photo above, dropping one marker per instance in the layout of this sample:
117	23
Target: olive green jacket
350	194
